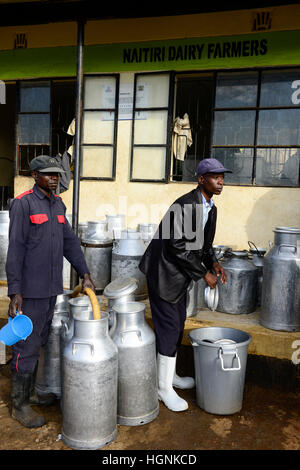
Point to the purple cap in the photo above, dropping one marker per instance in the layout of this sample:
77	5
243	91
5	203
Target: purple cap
211	165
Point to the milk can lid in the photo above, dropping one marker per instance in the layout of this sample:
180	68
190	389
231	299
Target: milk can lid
120	286
287	229
97	241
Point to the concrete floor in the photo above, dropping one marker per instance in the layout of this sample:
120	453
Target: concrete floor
269	418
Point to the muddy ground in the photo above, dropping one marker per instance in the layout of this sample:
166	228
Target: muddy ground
269	420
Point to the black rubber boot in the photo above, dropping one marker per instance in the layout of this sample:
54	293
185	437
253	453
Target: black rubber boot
34	398
21	409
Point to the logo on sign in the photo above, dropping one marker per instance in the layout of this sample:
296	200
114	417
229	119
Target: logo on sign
262	21
20	41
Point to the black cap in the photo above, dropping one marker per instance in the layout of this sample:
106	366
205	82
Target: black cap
45	164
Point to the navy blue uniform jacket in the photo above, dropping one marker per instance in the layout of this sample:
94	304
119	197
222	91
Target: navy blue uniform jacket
39	237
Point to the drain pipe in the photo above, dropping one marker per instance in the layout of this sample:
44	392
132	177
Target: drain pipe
77	155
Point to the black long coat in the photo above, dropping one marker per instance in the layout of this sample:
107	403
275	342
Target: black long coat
171	262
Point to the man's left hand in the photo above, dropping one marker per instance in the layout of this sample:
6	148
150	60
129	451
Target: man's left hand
220	271
88	282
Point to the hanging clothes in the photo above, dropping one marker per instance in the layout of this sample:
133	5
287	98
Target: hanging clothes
65	178
71	131
182	137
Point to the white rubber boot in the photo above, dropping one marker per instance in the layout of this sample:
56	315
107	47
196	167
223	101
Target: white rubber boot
166	393
182	382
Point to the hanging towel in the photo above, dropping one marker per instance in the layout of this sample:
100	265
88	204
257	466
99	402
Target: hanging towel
182	136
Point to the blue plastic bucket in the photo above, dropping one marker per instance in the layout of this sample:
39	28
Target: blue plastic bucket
17	328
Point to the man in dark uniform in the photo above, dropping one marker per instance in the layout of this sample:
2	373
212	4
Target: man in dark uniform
39	237
181	251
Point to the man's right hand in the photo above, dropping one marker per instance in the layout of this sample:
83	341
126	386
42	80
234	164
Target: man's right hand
15	304
211	280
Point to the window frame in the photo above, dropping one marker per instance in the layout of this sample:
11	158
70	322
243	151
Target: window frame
18	170
255	108
168	144
115	132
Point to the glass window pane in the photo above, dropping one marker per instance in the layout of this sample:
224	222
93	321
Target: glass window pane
236	90
35	97
34	129
240	161
149	163
234	128
99	93
97	162
277	167
98	127
279	127
280	88
152	91
152	129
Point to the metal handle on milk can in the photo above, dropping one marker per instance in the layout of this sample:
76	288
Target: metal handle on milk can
286	245
138	332
221	352
65	327
82	342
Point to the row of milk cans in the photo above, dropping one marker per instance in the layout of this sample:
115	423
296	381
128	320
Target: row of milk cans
257	279
103	371
112	251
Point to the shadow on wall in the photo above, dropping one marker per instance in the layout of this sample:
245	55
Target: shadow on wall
279	207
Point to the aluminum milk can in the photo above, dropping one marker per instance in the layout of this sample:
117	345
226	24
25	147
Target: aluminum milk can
90	380
126	255
280	309
48	376
258	260
115	225
121	290
4	226
239	294
137	375
147	232
97	249
80	308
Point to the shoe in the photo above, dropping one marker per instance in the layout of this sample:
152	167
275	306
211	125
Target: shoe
35	398
21	409
166	393
183	383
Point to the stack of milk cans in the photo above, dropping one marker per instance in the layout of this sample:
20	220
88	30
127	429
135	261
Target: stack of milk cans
103	371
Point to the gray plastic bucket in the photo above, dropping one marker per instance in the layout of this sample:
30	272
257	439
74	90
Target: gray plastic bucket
220	368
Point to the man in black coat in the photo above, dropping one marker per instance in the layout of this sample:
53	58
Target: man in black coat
181	251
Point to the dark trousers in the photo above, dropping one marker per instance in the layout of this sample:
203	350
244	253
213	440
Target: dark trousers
25	353
168	321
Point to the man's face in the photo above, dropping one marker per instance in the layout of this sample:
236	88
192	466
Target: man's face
212	183
46	181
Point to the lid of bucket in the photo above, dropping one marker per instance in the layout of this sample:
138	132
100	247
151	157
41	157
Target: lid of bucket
120	287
